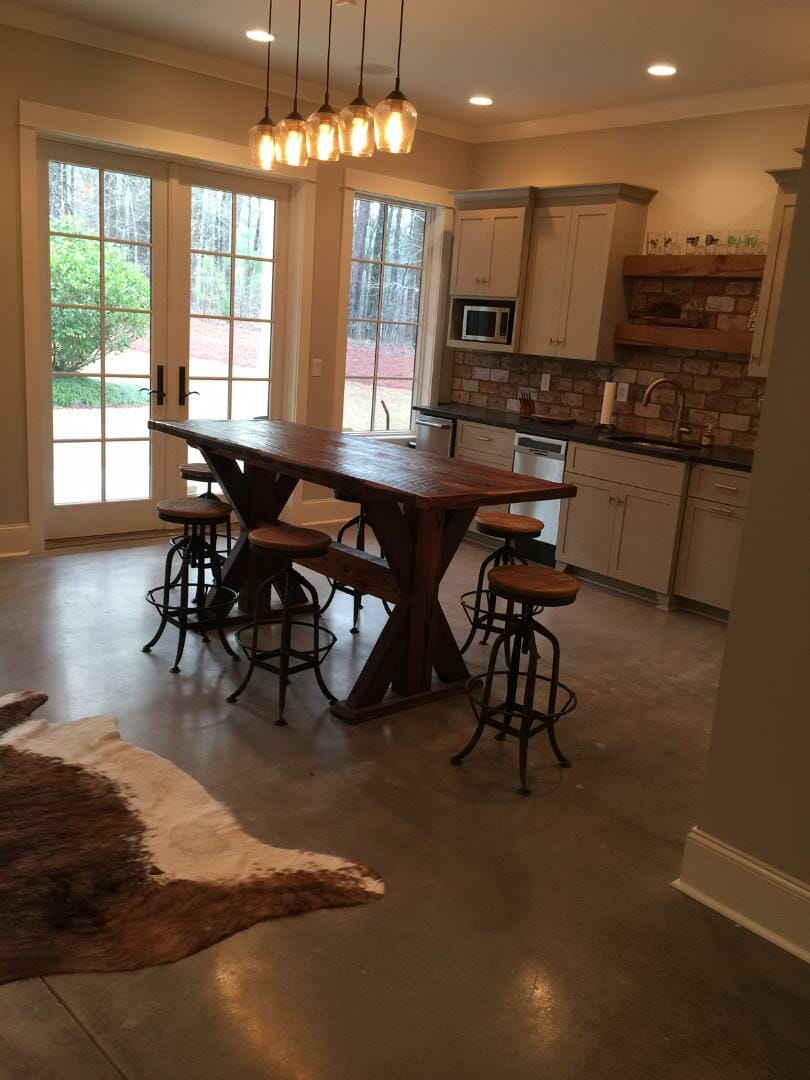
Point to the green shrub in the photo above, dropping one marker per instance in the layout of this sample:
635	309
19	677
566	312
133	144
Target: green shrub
75	332
81	392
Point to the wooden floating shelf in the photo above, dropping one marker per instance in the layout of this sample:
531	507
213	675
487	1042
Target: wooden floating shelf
684	337
716	266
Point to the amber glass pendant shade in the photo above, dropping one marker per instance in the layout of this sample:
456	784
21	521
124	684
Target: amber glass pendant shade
262	144
323	134
357	129
291	141
395	124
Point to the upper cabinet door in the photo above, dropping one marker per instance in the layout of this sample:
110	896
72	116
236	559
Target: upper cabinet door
472	245
771	291
544	281
586	266
506	252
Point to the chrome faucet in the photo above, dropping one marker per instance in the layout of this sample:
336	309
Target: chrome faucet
678	429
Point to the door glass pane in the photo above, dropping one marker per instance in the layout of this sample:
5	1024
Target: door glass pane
208	349
212	403
367	230
75	339
210	285
364	291
127	470
76	407
361	348
251	349
75	270
73	202
211	219
76	473
397	350
248	399
398	396
255	226
126	408
405	235
127	343
401	294
127	206
253	289
127	276
357	400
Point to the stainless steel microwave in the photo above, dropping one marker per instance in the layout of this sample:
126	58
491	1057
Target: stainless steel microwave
481	323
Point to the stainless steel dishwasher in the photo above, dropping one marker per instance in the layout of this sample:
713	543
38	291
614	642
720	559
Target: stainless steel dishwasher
545	458
434	433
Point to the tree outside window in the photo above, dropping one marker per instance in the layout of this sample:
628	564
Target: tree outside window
388	242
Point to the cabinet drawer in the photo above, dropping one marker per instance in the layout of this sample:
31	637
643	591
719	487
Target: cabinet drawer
654	474
489	440
719	485
484	457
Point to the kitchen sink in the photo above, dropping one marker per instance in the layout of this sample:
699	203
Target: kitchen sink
657	444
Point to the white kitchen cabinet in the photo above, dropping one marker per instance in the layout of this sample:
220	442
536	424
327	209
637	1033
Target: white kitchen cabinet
626	531
771	289
574	294
710	546
483	444
488	250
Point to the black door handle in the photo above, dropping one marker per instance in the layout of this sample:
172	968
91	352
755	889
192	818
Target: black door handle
182	394
160	392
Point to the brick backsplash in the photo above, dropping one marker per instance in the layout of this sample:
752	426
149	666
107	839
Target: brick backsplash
718	389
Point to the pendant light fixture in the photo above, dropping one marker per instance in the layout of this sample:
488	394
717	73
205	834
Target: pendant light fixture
323	126
357	119
291	133
395	116
262	136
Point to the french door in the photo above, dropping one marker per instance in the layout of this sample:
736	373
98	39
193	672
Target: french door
161	289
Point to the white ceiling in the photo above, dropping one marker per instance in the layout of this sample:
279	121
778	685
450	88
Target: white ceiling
536	58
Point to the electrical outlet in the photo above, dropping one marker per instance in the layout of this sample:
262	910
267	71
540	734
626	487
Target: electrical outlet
317	367
622	391
545	381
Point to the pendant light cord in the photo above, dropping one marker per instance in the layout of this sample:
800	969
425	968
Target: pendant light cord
328	53
362	49
399	48
267	77
297	55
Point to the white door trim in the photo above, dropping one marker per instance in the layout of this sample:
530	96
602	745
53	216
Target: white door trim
747	891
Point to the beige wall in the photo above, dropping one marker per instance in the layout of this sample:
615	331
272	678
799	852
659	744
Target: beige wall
757	794
53	72
709	172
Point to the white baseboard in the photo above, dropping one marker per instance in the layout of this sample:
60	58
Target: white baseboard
14	540
758	897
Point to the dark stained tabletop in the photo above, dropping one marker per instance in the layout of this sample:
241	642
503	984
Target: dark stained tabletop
354	464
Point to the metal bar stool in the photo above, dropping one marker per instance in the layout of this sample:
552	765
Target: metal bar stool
359	520
196	549
285	543
533	588
200	473
506	527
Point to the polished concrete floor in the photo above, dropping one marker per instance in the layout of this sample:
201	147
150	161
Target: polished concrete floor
526	938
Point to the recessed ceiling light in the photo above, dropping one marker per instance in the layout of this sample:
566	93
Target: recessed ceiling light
260	35
479	99
662	70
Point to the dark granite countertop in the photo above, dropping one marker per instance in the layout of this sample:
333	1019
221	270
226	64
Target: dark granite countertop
724	456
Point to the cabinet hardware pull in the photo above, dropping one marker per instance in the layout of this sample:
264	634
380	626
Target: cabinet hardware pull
755	357
726	487
719	510
484	438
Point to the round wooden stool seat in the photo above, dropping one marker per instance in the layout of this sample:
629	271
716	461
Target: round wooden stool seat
508	525
290	540
188	511
197	470
534	584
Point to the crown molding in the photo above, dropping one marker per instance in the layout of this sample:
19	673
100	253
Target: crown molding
730	101
25	16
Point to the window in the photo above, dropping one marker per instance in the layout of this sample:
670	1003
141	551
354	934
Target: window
388	244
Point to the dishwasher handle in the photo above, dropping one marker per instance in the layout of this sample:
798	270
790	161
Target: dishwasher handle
539	453
429	423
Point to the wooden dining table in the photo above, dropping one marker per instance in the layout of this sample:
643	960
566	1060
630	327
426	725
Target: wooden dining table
419	506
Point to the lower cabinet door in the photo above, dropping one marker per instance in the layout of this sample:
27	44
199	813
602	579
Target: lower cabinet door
710	547
586	524
644	538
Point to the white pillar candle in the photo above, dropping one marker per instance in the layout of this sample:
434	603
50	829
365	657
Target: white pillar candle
608	398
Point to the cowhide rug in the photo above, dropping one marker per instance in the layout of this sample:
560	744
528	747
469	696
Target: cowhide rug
112	859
